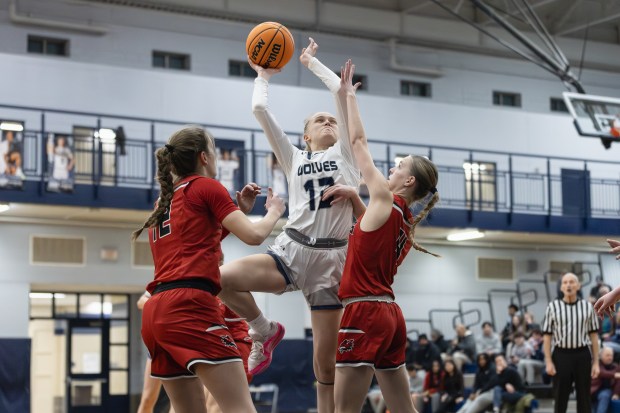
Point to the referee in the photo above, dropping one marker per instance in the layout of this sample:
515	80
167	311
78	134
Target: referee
572	325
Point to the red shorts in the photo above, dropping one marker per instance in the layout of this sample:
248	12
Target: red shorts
372	334
182	327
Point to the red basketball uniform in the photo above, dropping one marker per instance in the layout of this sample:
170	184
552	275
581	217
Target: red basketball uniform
184	326
187	243
240	333
373	333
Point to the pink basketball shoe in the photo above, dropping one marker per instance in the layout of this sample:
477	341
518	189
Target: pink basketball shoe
262	347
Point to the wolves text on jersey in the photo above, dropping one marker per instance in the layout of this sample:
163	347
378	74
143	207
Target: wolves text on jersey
315	167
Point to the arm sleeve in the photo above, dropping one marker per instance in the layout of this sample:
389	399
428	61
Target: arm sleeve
332	81
280	144
212	195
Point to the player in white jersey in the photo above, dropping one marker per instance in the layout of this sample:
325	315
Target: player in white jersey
309	254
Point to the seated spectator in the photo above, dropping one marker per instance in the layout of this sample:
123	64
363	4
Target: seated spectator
595	292
433	385
614	340
488	342
453	388
416	386
463	346
508	387
530	324
516	325
528	362
534	366
425	353
439	341
606	386
480	401
521	356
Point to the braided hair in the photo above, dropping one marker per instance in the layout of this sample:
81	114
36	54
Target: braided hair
179	157
426	175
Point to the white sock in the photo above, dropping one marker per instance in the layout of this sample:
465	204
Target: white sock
261	325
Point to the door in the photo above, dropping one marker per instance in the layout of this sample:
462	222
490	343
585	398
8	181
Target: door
575	192
88	343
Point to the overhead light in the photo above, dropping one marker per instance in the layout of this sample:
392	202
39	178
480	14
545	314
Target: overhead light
13	126
47	296
4	207
465	235
106	135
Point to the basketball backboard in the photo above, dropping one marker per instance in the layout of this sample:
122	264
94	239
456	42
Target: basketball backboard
595	116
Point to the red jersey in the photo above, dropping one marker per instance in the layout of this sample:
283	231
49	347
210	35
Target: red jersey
373	257
187	242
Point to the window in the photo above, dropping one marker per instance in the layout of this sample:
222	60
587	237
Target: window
357	78
507	99
168	60
480	184
411	88
558	105
48	46
240	69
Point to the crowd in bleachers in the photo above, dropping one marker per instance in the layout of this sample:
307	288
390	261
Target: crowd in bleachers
496	371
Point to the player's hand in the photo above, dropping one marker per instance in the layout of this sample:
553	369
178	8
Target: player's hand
308	52
261	71
338	193
247	196
550	368
615	247
275	203
605	305
346	79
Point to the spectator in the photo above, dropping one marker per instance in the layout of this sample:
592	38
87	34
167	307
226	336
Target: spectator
416	386
614	340
479	401
433	385
516	325
535	365
440	342
507	387
452	393
488	342
463	346
425	353
595	292
605	387
530	324
521	354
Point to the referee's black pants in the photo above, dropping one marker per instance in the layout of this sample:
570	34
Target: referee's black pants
572	366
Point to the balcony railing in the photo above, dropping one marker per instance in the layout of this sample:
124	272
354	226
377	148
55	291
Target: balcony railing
473	180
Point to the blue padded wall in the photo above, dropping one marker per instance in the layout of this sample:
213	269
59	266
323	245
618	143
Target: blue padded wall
15	375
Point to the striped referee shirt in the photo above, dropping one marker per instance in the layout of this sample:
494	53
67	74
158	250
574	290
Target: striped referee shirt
570	324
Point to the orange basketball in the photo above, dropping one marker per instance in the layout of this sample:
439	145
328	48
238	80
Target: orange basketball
270	45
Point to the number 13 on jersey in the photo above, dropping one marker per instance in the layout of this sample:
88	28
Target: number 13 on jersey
323	183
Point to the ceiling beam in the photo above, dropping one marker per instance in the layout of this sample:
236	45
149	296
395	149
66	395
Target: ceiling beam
581	26
518	13
568	13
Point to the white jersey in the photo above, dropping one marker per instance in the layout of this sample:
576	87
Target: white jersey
310	173
62	157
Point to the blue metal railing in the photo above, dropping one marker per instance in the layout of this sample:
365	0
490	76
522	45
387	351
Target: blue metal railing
513	182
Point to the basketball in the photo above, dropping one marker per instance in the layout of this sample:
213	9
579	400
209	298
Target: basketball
270	45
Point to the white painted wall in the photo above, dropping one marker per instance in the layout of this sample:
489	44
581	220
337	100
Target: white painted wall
423	283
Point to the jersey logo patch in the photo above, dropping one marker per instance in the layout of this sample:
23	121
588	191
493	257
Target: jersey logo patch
346	346
227	341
